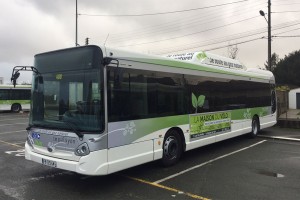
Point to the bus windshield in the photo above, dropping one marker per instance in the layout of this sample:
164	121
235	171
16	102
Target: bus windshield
68	94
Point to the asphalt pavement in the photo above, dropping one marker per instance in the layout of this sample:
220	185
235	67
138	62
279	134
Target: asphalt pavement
240	168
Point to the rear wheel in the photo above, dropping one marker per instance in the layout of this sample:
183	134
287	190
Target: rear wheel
255	127
172	148
16	107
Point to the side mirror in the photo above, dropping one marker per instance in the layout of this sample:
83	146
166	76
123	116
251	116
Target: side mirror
15	73
14	78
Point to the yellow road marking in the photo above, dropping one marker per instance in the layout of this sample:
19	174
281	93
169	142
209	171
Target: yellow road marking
194	196
11	144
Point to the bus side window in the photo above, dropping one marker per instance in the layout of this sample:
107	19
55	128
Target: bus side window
117	94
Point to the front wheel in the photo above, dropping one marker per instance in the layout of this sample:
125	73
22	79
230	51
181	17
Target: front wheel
172	148
255	127
16	107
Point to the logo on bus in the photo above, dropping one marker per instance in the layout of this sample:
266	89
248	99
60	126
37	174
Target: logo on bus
35	135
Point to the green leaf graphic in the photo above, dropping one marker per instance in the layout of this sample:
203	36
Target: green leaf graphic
201	56
194	101
201	100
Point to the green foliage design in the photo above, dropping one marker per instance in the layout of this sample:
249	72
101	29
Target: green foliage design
201	100
194	101
201	56
197	102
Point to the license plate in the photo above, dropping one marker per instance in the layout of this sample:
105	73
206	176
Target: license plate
49	163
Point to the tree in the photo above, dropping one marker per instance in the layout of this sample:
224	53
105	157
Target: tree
274	61
232	51
288	69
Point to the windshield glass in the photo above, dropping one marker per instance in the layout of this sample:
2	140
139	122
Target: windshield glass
68	99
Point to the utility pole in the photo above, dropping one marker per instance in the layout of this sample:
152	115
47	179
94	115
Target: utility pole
262	13
269	36
76	35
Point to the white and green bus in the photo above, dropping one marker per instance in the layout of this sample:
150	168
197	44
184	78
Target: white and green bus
16	98
97	111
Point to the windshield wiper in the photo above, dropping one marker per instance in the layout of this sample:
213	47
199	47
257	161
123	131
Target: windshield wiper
74	128
35	126
68	123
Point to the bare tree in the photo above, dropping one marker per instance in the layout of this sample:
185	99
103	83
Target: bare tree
232	51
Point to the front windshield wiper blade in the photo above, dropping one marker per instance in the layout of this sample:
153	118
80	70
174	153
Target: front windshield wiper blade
70	125
74	128
35	125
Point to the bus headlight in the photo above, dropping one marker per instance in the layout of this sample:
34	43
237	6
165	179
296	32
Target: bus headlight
82	150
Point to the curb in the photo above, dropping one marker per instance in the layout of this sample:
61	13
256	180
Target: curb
279	138
289	123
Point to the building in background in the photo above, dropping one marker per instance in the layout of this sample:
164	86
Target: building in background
294	99
1	80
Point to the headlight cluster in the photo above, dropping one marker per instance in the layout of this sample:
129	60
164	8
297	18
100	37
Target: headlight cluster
82	150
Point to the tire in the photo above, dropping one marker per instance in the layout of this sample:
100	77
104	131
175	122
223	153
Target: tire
255	127
16	107
172	148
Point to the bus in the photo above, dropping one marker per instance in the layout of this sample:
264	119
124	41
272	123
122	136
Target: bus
96	111
16	98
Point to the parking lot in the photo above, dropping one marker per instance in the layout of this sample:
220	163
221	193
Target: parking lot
267	167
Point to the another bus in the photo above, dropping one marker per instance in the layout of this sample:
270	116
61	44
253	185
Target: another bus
16	98
96	111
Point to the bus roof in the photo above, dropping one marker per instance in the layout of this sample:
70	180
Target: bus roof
194	63
200	61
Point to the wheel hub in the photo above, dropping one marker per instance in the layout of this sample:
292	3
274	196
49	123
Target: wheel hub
170	147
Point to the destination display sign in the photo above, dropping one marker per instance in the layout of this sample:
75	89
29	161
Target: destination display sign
209	59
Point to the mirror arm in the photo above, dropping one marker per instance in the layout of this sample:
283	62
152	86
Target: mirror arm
108	61
15	73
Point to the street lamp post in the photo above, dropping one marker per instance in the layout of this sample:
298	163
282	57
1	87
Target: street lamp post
269	35
262	13
76	28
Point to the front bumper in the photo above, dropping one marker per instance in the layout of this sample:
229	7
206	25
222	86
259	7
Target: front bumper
93	164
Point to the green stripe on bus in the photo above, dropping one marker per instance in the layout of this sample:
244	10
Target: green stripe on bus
14	101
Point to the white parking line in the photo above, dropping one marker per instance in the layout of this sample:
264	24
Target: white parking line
12	132
205	163
25	118
12	124
280	138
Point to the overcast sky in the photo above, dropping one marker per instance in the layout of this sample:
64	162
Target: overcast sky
28	27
